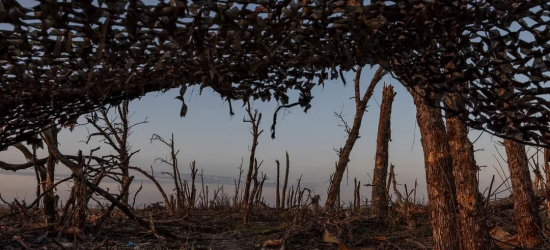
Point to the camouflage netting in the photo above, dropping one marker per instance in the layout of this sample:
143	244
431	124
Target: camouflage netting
63	59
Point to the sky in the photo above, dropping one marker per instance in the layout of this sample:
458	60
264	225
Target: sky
218	141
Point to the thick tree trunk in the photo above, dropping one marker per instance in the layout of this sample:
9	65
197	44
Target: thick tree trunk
439	173
547	188
525	206
474	233
379	202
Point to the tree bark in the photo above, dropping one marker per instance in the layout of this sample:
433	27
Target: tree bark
124	156
285	183
125	161
439	173
525	207
255	120
353	135
379	202
277	197
43	181
474	233
49	199
250	206
547	188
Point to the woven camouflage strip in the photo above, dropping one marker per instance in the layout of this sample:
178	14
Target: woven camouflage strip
61	59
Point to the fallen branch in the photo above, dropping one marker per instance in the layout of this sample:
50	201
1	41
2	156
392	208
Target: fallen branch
127	211
112	206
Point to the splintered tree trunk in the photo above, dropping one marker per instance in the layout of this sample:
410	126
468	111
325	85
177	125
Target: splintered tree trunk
439	173
474	233
379	202
547	188
49	200
525	206
278	198
353	135
285	183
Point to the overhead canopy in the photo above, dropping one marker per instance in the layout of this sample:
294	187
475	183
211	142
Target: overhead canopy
63	59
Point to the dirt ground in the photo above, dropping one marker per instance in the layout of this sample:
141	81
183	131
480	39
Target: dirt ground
296	228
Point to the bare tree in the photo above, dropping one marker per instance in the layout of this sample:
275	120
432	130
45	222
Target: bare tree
379	201
193	192
238	186
43	182
115	132
353	134
254	119
79	190
173	162
439	173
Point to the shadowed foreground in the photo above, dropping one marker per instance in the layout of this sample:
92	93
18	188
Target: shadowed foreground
220	226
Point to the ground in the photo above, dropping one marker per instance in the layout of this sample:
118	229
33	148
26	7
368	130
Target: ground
200	228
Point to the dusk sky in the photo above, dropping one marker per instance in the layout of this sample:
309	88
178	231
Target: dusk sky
218	141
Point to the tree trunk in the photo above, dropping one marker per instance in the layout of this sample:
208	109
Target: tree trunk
474	233
45	181
285	183
49	200
250	206
547	188
80	193
439	173
353	135
525	206
124	148
125	175
277	197
379	202
255	120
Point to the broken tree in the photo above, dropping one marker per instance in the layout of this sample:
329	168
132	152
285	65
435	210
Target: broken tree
474	232
379	196
439	173
353	134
